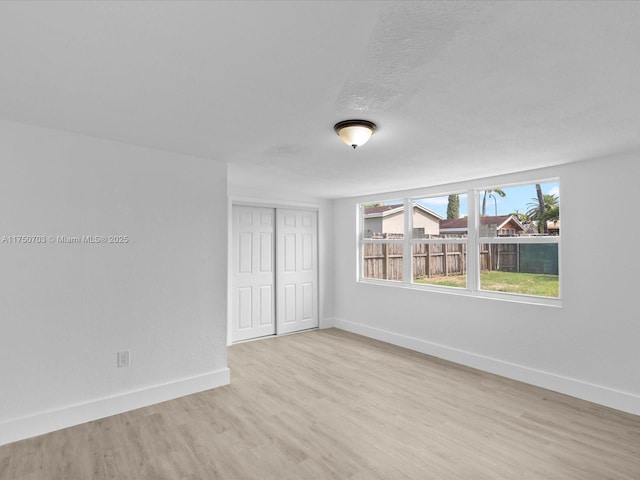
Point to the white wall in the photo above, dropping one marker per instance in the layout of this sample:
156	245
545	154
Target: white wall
587	348
66	309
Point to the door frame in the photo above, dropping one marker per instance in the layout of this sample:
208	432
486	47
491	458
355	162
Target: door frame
256	202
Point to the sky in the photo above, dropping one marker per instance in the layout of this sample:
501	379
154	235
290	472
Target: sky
517	198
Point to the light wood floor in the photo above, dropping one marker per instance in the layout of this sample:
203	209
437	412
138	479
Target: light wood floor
330	404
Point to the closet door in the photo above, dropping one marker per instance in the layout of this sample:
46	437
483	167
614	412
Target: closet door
253	276
297	270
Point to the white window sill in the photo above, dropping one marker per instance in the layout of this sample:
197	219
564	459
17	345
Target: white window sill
465	292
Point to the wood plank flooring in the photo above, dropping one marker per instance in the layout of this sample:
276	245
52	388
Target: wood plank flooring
333	405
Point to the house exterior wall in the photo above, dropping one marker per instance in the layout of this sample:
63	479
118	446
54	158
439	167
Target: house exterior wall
394	223
510	228
421	219
373	225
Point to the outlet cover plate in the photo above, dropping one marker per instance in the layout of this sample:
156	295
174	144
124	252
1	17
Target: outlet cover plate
124	358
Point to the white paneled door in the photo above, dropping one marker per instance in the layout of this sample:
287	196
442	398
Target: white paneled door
253	273
274	271
297	270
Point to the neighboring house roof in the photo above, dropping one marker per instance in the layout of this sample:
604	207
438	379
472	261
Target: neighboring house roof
530	228
382	210
460	224
385	210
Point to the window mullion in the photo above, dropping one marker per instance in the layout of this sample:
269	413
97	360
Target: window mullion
360	243
407	257
473	251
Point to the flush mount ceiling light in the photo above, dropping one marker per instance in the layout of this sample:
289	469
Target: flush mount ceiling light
355	132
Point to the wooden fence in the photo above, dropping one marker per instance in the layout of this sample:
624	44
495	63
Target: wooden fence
384	260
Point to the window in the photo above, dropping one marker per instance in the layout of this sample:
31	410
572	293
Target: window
439	257
491	241
518	244
383	240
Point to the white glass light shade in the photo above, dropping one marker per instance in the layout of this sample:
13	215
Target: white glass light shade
355	132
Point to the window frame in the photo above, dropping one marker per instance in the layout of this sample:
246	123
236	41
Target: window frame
473	240
379	241
437	241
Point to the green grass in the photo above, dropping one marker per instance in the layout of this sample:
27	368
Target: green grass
496	281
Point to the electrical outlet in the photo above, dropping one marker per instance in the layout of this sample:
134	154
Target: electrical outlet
124	358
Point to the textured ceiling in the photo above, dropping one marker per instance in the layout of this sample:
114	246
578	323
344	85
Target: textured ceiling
459	90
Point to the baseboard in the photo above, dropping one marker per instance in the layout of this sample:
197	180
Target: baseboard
619	400
49	421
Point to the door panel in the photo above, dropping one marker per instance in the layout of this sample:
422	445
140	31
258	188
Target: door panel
244	308
266	253
296	270
289	310
245	263
307	301
266	305
253	276
307	252
289	252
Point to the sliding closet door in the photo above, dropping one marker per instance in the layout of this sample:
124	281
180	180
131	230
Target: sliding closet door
297	270
253	293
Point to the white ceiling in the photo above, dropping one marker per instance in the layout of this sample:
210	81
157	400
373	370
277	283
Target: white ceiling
459	90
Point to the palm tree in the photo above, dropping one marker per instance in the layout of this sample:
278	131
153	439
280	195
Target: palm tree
488	193
544	209
540	197
453	207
